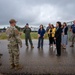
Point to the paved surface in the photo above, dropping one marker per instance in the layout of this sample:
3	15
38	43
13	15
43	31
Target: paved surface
36	61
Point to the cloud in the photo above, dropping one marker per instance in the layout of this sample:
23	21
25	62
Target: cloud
36	11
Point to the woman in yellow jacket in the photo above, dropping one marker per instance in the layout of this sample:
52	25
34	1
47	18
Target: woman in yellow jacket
51	33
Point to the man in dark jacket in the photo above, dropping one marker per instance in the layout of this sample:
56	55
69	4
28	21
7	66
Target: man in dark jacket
27	32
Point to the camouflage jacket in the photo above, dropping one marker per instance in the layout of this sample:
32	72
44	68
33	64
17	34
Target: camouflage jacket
13	36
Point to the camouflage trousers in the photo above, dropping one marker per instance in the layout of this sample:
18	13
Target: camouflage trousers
14	54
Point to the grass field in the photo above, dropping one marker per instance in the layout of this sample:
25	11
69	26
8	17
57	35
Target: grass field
34	35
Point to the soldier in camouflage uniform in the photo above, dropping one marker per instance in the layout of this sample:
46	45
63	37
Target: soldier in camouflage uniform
27	32
13	46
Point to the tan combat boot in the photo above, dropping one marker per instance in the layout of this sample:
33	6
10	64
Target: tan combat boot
12	66
18	67
32	46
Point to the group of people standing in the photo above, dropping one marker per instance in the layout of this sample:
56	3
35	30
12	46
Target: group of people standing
54	34
57	35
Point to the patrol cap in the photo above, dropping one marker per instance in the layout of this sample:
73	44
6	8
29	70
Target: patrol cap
12	21
27	24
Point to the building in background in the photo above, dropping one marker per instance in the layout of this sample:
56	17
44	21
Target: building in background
69	23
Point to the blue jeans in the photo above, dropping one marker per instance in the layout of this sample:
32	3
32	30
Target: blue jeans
40	42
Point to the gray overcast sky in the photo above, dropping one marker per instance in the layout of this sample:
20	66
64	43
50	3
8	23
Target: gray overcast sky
36	11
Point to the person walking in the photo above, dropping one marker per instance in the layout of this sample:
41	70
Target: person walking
41	34
73	33
13	46
64	35
58	38
27	31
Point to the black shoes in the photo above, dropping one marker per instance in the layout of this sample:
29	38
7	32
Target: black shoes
1	54
0	57
72	46
39	47
58	55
